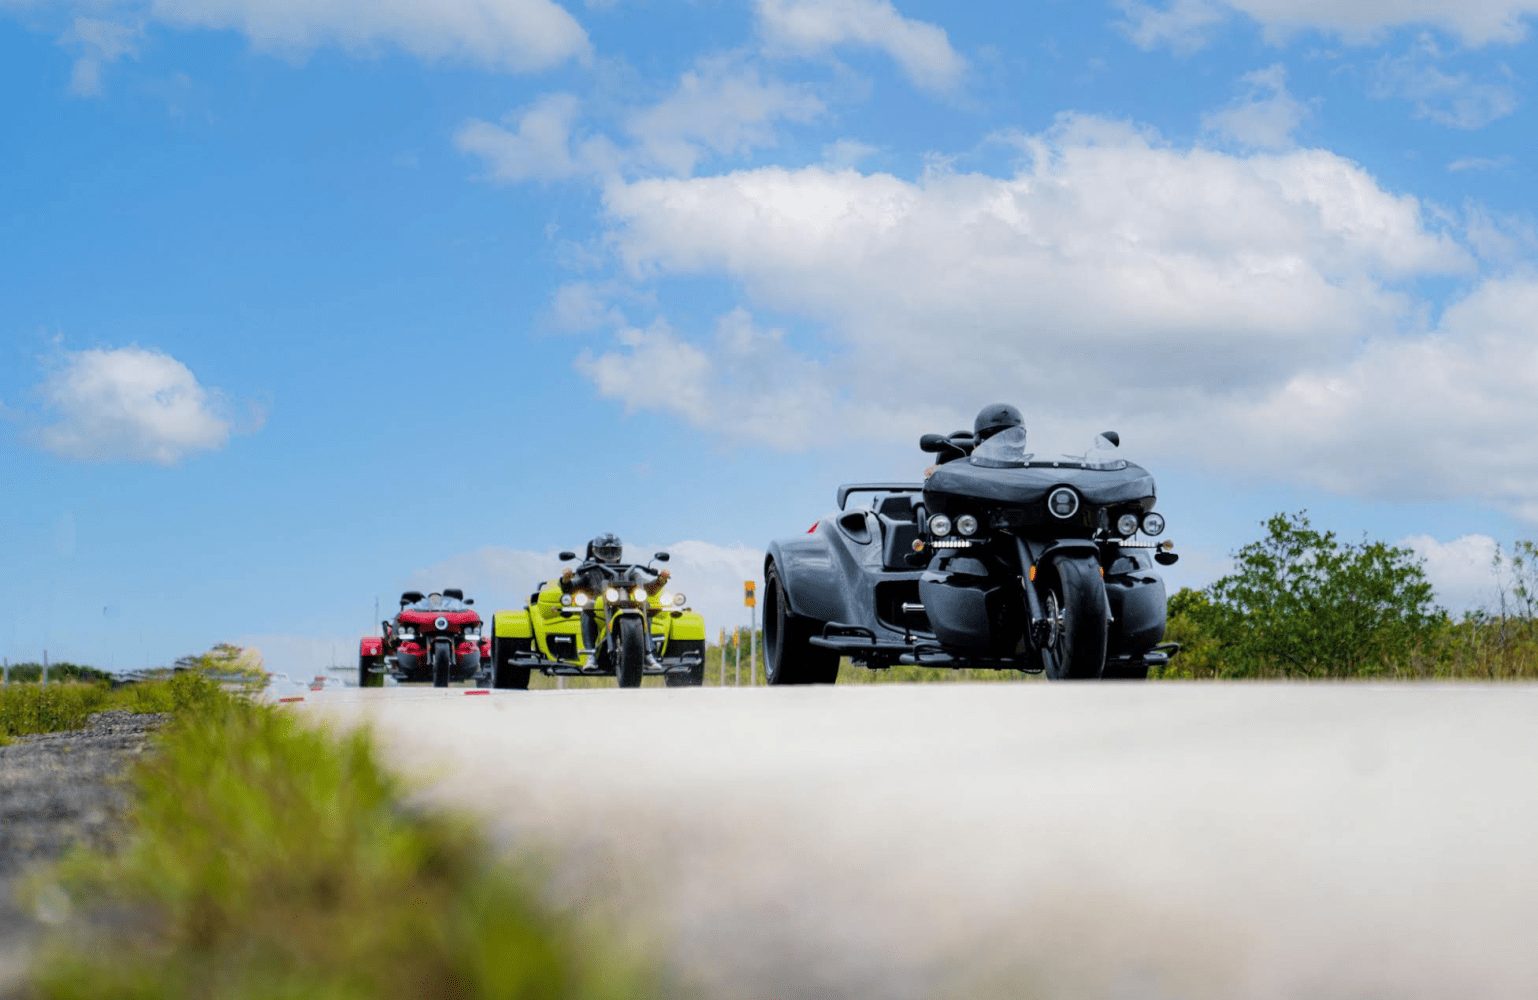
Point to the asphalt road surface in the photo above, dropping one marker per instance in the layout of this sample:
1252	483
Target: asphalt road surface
1020	840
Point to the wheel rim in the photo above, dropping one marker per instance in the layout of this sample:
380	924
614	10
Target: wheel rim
774	612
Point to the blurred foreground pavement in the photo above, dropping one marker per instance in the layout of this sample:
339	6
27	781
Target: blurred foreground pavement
1121	840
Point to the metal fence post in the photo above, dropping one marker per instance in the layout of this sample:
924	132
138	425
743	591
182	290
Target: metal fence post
45	667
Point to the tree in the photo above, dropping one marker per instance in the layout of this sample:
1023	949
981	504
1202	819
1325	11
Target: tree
1301	601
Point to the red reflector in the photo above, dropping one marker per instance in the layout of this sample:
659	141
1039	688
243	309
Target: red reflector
813	527
477	692
298	697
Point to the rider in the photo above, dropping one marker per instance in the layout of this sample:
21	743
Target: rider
993	418
593	575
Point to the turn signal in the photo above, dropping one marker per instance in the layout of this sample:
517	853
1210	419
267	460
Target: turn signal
918	545
1033	574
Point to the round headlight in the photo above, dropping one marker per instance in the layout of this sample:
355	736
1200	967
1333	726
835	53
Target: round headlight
611	594
1063	502
565	600
1126	525
678	600
664	598
440	623
939	526
639	593
581	600
1153	524
966	524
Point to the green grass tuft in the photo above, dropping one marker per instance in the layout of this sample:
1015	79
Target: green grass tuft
268	859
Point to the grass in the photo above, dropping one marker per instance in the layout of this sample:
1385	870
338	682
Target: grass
26	709
266	859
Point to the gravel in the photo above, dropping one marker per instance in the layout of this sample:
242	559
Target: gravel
58	790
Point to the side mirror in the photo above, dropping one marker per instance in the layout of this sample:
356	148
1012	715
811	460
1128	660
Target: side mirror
469	601
567	556
662	557
934	443
1112	437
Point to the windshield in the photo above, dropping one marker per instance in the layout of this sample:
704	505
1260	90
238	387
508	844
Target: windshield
1006	450
437	602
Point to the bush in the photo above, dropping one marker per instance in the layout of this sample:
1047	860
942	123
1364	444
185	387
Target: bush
267	859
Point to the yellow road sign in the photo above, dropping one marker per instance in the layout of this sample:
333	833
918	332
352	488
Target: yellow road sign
748	599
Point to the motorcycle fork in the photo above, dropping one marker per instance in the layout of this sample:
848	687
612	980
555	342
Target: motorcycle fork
1032	599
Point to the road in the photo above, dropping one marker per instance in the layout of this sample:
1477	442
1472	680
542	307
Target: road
1012	840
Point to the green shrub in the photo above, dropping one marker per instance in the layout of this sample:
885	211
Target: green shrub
267	859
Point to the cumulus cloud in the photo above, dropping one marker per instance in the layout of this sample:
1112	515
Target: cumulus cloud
1260	310
709	575
535	143
100	43
812	27
1461	572
1186	24
1264	115
515	35
130	404
1456	100
724	105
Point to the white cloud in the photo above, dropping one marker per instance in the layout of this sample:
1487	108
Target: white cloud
130	404
535	143
100	43
1452	99
1257	313
1480	163
520	35
709	575
724	106
847	153
814	27
1186	24
1461	571
1264	116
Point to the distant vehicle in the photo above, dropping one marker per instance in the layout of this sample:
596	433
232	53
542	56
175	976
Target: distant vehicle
436	637
606	619
1000	559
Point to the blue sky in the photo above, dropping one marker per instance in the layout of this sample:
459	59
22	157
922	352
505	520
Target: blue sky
305	302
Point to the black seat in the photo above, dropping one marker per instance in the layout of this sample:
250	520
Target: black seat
899	529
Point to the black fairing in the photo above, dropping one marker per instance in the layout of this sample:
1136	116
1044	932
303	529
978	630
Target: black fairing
1030	485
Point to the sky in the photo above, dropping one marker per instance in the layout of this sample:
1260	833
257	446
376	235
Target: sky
306	302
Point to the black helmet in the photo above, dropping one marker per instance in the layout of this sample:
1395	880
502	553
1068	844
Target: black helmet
995	417
606	548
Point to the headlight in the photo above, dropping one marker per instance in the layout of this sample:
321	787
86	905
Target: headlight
967	525
472	635
1153	524
441	623
405	633
611	595
678	600
939	526
664	598
565	600
1126	525
581	599
1063	502
639	594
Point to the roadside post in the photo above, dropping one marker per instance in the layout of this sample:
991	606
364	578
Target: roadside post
737	651
751	600
45	667
723	657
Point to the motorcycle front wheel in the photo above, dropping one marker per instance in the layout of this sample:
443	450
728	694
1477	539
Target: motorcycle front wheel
630	655
443	663
367	677
1074	600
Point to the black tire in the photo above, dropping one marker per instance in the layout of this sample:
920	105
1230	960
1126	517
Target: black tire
1075	588
789	656
443	664
505	674
629	651
367	678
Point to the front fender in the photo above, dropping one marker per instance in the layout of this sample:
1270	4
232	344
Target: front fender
512	625
371	646
813	585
